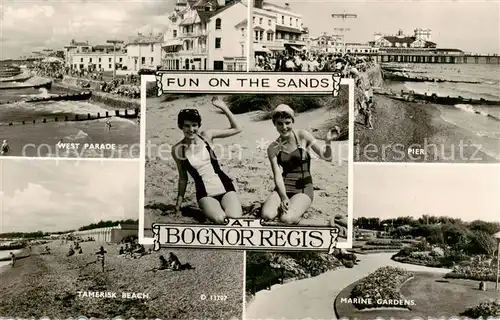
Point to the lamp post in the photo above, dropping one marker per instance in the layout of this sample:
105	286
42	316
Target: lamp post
344	16
496	236
114	42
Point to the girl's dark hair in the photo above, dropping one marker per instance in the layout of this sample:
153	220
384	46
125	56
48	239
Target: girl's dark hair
282	115
189	115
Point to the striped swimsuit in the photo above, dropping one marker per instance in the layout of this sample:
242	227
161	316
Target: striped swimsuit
203	166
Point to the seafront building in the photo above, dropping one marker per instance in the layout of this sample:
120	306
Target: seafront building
83	56
212	35
335	44
144	52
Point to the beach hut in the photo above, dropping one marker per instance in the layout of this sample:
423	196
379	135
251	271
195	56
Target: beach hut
109	234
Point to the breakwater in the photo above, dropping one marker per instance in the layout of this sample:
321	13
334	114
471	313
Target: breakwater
433	98
121	113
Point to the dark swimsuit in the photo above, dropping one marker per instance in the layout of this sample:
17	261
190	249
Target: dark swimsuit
296	171
201	191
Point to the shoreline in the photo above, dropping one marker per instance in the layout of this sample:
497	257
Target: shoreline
416	126
48	285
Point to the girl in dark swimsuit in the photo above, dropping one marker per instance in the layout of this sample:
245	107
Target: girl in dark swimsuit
294	190
215	191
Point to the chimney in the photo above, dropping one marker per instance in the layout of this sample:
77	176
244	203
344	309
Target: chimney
287	5
259	4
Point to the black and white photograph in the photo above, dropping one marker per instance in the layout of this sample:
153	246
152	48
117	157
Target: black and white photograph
426	82
70	77
69	247
281	158
426	242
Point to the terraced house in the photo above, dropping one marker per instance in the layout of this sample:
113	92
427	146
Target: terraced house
206	35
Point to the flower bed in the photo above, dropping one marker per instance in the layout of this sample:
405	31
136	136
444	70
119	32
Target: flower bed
382	287
485	309
474	270
387	242
368	248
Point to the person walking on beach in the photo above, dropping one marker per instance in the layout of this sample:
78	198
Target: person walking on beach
290	163
5	148
215	191
108	125
100	256
13	259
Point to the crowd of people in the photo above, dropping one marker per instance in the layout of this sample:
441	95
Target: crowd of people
313	62
127	86
349	67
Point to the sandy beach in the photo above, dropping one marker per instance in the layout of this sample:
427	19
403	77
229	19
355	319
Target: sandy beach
401	128
243	157
48	285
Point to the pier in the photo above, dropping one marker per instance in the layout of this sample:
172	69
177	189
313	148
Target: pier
432	57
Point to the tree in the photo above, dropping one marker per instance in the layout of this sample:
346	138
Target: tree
485	242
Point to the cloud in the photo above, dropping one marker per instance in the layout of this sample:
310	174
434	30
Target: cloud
53	24
53	196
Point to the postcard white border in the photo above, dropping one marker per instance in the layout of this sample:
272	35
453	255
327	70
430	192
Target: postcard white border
350	185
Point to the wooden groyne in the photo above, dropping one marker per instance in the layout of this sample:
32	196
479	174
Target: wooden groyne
400	76
20	78
47	85
84	95
122	113
433	98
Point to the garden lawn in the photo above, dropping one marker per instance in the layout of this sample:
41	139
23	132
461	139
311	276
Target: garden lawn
434	297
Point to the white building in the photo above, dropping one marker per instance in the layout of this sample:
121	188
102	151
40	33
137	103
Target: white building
227	38
83	56
290	31
420	39
206	35
144	52
109	235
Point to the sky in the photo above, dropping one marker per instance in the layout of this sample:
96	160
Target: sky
31	25
468	192
51	195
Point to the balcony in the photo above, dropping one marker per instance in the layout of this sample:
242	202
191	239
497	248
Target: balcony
197	33
292	42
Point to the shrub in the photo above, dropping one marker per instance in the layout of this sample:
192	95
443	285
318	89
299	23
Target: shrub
387	242
484	309
382	287
474	269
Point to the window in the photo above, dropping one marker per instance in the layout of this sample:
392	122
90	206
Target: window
260	20
256	35
152	61
282	19
269	23
217	43
100	67
152	48
218	22
218	65
253	19
109	59
81	59
241	67
261	35
242	32
181	16
90	60
100	59
121	60
229	67
296	22
143	60
109	66
290	21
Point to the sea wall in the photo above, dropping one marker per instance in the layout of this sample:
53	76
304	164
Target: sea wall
109	99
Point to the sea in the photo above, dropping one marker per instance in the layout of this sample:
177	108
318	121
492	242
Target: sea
474	81
5	254
41	139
